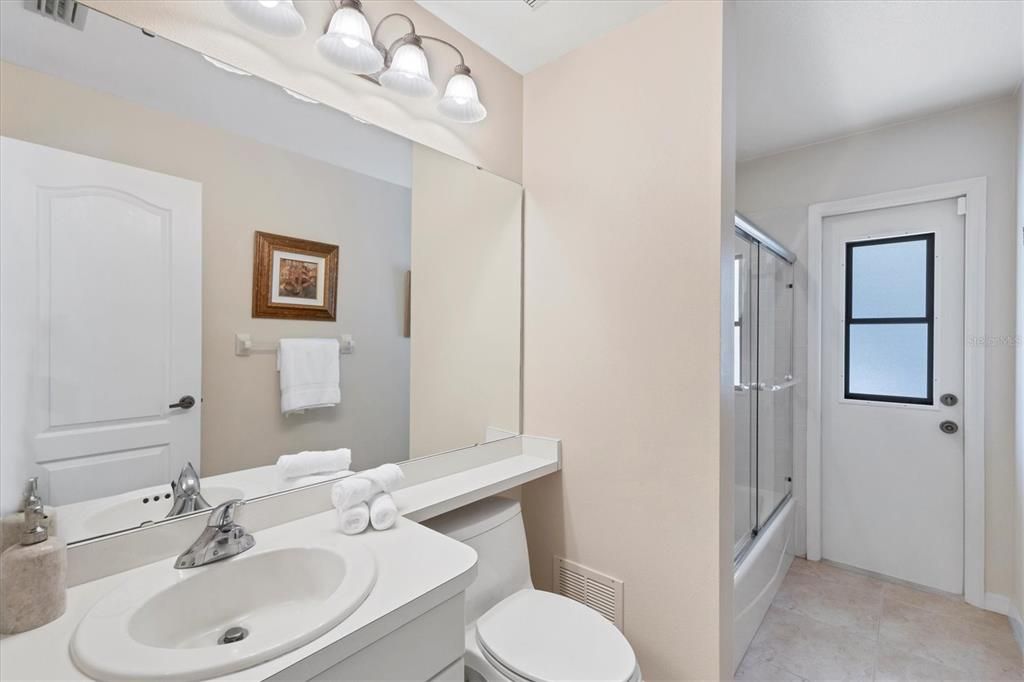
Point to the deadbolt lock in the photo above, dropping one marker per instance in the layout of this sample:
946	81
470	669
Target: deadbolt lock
948	399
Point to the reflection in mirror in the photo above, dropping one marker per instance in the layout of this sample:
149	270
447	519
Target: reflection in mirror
169	225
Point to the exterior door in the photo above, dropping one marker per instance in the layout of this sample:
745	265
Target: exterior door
100	324
892	389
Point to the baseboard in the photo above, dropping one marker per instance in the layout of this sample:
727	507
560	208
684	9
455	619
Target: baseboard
1017	625
998	603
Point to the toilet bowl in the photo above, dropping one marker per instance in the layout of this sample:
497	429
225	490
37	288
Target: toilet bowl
515	632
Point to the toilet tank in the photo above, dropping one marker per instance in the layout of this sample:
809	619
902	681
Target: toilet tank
494	528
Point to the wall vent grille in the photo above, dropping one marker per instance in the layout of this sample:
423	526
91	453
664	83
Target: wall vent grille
534	4
67	12
600	592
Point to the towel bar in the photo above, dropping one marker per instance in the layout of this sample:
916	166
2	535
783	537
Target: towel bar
244	345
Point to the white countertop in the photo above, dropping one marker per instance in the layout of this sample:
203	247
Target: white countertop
417	569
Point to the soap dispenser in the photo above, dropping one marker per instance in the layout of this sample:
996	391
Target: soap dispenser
33	574
12	524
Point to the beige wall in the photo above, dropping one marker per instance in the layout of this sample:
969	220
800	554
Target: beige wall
466	284
775	192
209	27
625	209
250	186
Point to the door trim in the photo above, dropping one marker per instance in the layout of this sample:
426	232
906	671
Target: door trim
975	228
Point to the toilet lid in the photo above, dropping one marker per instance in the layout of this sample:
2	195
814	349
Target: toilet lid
545	637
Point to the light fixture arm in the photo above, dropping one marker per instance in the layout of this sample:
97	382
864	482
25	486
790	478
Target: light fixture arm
412	26
410	37
462	59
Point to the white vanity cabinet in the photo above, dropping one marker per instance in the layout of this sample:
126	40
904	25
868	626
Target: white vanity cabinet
427	648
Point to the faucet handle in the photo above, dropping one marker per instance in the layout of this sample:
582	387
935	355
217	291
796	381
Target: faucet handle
224	514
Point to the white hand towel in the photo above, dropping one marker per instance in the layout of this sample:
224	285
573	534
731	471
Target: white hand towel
384	478
311	462
310	374
354	520
383	511
350	492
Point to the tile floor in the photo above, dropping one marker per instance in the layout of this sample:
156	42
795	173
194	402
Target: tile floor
830	624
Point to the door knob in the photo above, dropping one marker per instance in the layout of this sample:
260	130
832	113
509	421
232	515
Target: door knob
948	426
185	402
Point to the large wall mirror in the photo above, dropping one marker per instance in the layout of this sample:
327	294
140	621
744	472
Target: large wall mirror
142	315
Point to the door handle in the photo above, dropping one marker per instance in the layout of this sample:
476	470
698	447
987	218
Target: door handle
185	402
948	426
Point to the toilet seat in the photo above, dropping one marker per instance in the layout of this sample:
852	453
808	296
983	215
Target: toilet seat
535	636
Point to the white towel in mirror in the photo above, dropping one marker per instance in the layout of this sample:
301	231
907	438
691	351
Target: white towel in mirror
310	462
310	374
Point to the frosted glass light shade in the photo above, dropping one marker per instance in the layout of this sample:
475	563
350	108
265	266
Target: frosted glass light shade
409	73
461	102
348	42
276	17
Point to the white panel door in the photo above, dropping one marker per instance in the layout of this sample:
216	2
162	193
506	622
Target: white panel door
892	392
100	323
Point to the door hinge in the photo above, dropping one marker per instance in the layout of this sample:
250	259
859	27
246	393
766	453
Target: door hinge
961	206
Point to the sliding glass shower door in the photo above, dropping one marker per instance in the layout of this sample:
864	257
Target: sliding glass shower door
763	384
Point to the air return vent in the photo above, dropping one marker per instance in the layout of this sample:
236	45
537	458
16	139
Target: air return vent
67	12
590	588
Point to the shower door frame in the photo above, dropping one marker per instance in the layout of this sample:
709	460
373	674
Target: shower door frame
746	230
973	191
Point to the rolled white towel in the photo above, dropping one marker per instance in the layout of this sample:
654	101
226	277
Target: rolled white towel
351	491
383	511
355	519
384	478
312	462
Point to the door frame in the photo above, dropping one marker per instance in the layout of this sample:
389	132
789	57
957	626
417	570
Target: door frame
975	228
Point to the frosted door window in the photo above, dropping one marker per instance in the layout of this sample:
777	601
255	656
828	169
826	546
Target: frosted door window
891	279
889	319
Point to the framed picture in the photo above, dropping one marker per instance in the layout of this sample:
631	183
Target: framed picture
294	278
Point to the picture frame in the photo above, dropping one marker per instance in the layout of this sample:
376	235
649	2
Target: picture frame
294	279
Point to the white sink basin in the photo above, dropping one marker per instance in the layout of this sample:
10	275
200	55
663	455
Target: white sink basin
167	624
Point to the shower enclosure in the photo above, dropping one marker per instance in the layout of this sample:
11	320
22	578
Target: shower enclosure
763	382
762	379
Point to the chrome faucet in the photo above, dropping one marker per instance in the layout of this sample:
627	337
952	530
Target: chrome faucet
222	538
187	497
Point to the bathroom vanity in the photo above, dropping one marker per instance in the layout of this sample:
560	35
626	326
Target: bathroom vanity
408	626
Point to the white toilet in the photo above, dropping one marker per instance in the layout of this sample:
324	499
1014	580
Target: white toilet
514	632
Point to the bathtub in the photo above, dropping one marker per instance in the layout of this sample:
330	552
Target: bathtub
758	575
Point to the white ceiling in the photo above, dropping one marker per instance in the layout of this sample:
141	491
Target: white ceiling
526	38
812	71
807	71
116	58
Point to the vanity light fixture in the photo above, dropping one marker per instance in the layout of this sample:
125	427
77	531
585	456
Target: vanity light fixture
408	71
461	102
348	42
403	67
276	17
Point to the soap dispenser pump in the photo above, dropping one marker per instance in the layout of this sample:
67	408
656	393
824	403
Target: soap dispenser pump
33	573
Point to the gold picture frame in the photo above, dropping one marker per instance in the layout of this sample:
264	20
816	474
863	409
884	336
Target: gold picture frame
294	279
